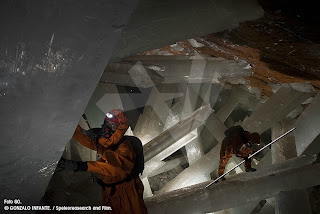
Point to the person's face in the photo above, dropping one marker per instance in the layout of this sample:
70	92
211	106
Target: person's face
112	125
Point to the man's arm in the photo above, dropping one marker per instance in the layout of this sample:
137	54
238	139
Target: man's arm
86	141
114	164
118	163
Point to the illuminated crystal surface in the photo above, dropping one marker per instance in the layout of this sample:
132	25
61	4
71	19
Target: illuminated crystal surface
284	101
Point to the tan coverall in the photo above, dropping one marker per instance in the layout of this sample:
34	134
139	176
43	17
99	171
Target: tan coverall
114	166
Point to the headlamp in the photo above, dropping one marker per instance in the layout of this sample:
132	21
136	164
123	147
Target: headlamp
109	115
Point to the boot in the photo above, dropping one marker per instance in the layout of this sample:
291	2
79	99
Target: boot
251	170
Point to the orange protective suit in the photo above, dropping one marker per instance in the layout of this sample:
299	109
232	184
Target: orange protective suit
115	165
232	146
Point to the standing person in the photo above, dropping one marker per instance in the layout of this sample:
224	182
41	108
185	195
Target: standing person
119	167
239	143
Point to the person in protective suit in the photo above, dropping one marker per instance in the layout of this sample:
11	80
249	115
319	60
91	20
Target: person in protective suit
122	191
240	143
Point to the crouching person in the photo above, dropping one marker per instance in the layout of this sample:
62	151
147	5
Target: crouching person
240	143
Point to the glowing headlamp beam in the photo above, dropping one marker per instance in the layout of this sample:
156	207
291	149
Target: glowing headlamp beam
109	115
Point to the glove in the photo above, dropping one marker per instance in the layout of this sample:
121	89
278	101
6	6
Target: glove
122	118
71	165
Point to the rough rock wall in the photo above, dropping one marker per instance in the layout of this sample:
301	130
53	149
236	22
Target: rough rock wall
52	55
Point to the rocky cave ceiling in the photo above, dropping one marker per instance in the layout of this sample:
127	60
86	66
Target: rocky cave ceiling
281	47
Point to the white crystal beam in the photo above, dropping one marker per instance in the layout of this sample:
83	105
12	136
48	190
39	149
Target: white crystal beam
227	194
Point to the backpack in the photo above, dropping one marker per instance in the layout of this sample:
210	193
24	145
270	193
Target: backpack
238	130
138	149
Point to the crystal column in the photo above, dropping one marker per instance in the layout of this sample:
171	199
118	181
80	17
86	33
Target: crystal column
308	128
227	194
290	201
274	109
